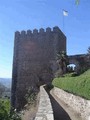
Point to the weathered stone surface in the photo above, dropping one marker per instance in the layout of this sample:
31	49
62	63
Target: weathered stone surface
34	61
45	111
82	62
77	103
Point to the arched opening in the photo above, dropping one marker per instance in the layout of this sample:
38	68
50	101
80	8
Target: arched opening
71	68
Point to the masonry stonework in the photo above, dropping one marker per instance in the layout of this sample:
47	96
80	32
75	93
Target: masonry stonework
34	60
81	62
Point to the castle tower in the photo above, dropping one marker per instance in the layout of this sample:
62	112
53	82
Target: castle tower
34	60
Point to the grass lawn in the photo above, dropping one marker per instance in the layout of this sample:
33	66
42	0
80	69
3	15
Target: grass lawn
79	85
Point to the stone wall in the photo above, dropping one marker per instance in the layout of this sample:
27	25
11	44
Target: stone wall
34	61
82	62
77	103
45	111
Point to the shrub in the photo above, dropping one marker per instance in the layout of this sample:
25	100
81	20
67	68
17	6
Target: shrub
49	86
31	96
5	113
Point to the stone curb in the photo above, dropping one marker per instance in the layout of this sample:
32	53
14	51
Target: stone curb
45	111
77	103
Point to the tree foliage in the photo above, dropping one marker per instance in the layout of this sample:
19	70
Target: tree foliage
62	61
31	95
5	113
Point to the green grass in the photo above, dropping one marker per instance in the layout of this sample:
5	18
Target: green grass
79	85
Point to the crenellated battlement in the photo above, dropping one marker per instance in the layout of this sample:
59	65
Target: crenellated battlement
48	30
35	53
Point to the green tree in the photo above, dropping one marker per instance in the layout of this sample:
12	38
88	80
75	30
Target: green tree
88	57
62	60
5	113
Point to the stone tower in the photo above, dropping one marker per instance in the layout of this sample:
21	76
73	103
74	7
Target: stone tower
34	60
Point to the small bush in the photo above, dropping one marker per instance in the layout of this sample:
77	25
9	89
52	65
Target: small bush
75	74
5	113
49	86
31	96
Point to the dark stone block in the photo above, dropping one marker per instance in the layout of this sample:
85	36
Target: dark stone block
34	60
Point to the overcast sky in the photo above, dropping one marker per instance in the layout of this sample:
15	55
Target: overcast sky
29	14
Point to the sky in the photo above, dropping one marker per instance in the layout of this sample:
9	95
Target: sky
17	15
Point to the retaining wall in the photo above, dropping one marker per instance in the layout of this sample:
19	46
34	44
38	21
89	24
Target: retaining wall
45	111
77	103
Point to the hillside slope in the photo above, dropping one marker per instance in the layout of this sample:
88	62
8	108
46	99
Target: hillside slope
79	85
6	82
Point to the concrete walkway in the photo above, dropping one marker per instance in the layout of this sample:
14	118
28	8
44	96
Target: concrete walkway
59	112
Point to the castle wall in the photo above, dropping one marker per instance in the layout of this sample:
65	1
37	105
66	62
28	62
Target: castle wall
34	60
82	62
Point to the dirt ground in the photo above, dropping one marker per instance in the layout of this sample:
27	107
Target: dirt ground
29	114
30	111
